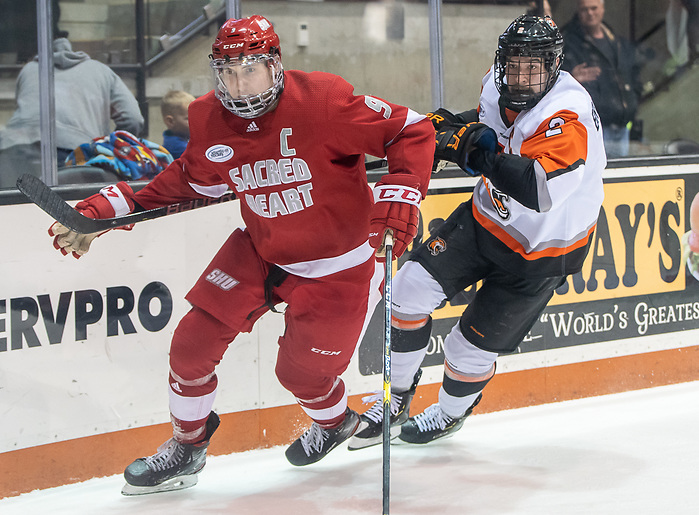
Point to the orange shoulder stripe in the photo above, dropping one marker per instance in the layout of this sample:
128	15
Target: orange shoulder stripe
559	143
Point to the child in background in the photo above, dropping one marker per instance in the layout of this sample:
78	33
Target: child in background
174	110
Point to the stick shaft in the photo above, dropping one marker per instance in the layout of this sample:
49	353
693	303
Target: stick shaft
48	200
388	243
373	165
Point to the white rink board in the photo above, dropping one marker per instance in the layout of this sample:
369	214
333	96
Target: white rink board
105	383
73	389
77	388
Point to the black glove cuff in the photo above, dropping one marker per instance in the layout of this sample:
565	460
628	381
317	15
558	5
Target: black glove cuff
482	161
468	116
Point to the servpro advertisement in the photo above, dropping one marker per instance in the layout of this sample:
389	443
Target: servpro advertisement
633	282
84	343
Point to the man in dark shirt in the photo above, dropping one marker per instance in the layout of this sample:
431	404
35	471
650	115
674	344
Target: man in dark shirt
607	66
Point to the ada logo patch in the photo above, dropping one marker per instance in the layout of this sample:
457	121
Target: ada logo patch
219	153
436	246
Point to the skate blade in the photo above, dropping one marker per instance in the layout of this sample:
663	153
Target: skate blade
176	483
402	441
362	443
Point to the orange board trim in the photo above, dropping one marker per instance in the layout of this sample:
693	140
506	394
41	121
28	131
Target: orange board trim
77	460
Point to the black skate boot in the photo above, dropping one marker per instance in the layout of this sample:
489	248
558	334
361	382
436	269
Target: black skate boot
316	442
173	467
432	424
370	430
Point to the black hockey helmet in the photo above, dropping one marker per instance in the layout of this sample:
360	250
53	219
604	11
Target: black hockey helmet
528	36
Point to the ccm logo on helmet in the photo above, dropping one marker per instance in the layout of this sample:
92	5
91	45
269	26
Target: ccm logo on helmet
234	45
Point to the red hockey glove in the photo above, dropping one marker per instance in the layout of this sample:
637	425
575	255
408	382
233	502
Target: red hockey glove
111	201
396	207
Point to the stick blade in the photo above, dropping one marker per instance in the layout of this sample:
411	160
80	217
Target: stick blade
40	194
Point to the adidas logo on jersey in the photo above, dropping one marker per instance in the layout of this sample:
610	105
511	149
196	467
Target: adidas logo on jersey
252	127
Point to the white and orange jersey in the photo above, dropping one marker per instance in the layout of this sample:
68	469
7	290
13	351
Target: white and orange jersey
549	231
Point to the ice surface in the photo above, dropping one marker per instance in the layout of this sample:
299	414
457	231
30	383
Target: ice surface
630	453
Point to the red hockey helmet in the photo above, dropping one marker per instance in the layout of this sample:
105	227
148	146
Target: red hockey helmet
244	42
247	36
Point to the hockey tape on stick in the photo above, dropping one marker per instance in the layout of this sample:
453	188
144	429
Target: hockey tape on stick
48	200
386	437
373	165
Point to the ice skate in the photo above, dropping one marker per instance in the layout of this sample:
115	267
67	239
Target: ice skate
316	442
432	424
173	467
370	430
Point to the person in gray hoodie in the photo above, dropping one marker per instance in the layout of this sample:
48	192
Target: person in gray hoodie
88	96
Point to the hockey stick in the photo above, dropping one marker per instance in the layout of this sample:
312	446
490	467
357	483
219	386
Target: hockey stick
373	165
62	212
48	200
387	297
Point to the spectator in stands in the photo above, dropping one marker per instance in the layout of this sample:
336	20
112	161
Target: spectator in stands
88	95
174	109
608	67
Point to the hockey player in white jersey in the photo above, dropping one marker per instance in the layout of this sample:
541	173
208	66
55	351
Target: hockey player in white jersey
536	143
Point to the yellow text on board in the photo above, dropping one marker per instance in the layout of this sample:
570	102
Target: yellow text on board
636	248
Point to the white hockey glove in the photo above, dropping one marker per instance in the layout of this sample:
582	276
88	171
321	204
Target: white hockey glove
111	201
70	241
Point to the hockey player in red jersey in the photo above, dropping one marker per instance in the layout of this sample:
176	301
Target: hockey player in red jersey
292	146
535	142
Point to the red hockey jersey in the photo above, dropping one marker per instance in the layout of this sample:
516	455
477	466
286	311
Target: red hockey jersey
299	170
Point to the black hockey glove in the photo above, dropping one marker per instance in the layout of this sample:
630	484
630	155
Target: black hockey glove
454	143
442	118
